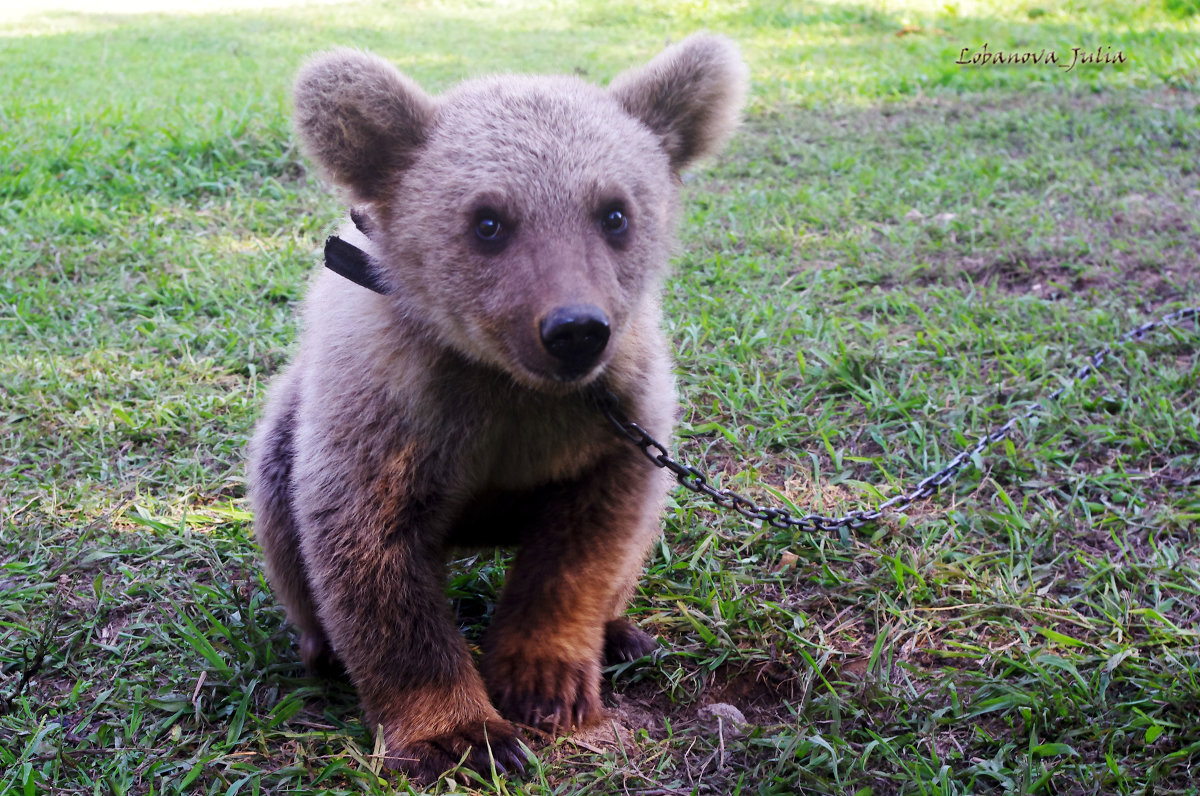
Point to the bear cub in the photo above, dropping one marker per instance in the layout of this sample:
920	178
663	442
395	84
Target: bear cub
518	230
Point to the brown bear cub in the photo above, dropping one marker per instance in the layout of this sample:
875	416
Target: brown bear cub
517	230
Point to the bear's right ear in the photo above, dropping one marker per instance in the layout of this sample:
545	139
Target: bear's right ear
360	119
691	95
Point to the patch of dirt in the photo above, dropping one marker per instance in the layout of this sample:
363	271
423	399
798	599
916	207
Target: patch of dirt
735	701
711	759
1141	243
762	696
1149	247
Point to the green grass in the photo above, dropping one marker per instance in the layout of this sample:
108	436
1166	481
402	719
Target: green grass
896	254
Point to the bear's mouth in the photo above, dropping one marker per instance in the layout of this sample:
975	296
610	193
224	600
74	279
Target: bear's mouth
541	372
562	379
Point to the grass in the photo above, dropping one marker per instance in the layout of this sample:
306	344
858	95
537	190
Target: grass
897	254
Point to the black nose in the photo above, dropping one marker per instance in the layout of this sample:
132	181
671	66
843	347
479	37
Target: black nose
575	336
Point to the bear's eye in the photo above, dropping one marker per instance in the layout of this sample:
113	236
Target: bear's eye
614	221
488	227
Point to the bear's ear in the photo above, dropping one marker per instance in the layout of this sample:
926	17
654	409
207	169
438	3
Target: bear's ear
360	119
691	95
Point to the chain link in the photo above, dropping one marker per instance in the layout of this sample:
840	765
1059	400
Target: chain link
696	481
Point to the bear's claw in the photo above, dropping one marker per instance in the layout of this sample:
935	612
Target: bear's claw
477	747
553	696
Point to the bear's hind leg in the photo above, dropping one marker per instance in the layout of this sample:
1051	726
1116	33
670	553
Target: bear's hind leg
270	470
624	642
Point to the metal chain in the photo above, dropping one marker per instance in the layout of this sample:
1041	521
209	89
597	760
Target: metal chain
693	479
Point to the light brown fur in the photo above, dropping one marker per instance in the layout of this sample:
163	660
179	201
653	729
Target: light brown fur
439	414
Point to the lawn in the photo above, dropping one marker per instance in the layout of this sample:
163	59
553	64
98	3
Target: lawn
897	254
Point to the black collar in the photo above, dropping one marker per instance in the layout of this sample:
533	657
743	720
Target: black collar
351	262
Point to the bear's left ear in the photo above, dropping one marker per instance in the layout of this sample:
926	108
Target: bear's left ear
691	95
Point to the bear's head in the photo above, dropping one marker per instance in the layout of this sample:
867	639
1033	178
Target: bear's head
526	222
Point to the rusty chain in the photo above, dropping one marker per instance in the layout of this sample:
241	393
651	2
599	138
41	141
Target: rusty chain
693	479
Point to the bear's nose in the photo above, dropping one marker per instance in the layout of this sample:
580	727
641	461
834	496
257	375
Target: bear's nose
575	336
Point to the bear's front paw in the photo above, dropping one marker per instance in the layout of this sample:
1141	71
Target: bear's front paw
551	695
477	746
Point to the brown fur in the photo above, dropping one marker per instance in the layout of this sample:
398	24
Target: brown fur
435	415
